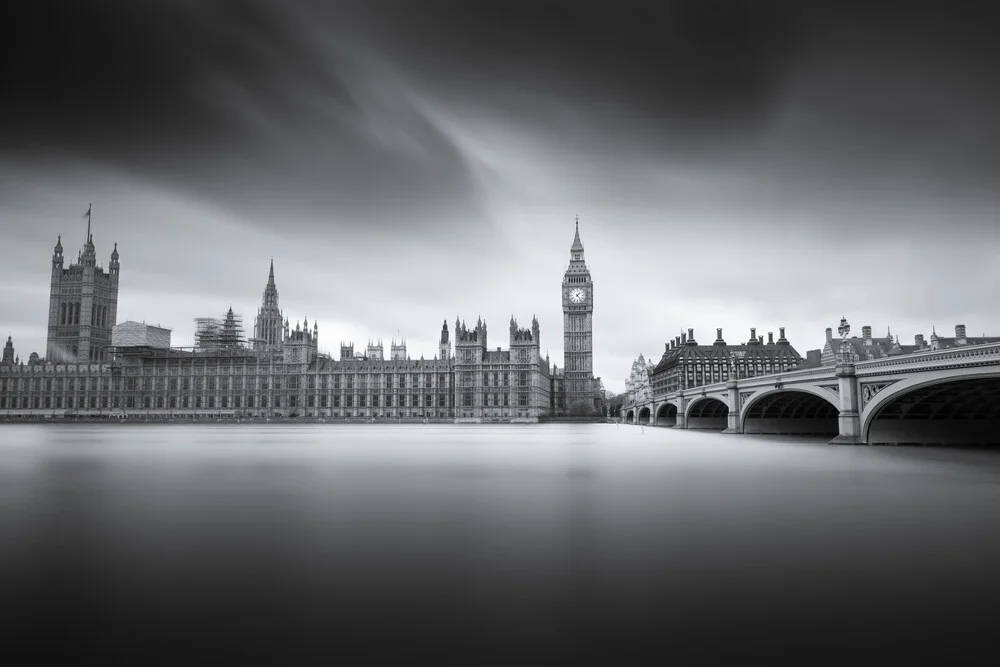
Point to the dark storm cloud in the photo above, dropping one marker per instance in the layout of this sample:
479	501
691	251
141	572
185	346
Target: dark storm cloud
687	64
674	66
247	104
844	100
268	108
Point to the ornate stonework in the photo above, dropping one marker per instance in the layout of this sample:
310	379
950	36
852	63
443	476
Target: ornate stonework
83	305
869	390
578	344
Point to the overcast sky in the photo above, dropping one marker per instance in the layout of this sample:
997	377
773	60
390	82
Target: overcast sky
734	164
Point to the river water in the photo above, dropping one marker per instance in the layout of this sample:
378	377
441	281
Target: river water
542	544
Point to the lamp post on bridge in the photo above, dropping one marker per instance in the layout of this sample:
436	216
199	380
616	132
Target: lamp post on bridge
849	419
733	418
843	330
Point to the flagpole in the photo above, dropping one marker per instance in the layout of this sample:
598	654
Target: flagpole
88	221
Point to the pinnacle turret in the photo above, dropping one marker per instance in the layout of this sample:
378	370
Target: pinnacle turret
577	243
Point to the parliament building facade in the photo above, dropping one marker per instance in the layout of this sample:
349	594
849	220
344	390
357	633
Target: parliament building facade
100	370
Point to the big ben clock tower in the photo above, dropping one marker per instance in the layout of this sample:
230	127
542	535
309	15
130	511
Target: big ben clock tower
578	344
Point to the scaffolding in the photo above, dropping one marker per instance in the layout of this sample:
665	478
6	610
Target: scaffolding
219	334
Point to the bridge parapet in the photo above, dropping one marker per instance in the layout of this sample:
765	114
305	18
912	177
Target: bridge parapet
971	355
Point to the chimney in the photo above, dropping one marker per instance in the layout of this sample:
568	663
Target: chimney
960	333
866	333
666	347
691	336
781	335
684	338
677	341
770	338
919	340
829	335
753	334
718	334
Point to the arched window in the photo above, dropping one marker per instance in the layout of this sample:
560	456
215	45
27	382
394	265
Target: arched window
62	313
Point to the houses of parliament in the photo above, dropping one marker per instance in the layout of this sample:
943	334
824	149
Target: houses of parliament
95	368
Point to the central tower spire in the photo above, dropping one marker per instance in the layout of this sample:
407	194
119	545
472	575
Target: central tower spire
269	327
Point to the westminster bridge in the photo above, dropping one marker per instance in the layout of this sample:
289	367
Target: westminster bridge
937	397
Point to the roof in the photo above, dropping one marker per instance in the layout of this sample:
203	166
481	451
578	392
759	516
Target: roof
496	357
687	353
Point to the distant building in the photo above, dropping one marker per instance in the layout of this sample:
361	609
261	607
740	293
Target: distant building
500	385
814	359
960	339
557	389
279	372
375	351
637	387
83	305
139	334
301	345
686	364
8	353
868	347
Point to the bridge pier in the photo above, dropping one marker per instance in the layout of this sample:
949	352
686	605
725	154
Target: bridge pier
850	417
733	419
682	418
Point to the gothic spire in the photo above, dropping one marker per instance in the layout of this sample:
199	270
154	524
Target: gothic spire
577	244
270	274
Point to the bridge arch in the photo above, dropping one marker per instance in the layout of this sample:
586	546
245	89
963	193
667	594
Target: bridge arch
630	416
950	406
799	410
666	415
707	412
643	416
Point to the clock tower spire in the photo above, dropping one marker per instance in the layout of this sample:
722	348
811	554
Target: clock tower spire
578	311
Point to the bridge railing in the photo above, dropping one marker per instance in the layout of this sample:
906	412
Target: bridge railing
757	381
953	356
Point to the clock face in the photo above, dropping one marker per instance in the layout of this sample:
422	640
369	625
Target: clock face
576	296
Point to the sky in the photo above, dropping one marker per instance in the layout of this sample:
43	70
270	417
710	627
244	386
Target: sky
733	164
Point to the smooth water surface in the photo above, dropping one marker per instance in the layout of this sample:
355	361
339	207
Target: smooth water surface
490	544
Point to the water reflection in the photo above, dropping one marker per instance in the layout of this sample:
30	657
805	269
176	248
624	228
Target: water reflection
556	542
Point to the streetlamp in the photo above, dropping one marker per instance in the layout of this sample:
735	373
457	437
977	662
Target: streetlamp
843	330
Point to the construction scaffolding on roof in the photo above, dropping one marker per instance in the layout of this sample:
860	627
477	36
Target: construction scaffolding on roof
219	334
